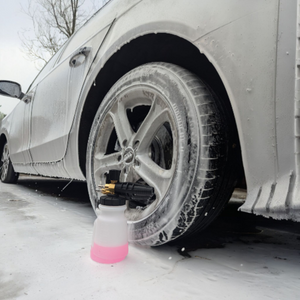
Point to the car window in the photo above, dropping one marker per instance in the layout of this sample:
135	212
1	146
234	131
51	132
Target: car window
47	68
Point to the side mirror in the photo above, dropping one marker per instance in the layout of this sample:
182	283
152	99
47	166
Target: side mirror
11	89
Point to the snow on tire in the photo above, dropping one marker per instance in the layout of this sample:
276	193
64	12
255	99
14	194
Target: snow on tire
160	125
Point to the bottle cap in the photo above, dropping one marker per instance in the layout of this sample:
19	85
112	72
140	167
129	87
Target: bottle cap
112	200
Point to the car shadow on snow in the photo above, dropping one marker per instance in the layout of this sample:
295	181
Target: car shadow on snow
64	189
232	226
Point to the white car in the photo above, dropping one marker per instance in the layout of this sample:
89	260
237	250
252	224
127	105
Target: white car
180	97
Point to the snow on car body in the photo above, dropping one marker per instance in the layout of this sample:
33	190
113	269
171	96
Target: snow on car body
245	51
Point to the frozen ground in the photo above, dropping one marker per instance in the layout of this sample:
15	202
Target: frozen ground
45	237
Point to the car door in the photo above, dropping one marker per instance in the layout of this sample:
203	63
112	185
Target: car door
19	133
19	129
26	128
57	95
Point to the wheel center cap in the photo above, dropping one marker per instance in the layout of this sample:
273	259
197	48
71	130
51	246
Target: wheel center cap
128	156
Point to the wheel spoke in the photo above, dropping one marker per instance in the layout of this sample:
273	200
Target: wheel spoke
121	123
128	174
107	162
153	121
154	175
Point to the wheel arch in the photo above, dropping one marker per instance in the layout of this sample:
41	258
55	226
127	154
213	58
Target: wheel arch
148	48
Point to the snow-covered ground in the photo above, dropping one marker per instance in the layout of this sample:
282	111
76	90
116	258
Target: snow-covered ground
46	233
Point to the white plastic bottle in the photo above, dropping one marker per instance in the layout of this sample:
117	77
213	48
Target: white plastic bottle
110	240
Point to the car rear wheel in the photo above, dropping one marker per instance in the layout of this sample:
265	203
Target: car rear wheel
161	126
8	175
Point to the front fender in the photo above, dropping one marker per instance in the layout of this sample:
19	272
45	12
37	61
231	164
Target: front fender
238	38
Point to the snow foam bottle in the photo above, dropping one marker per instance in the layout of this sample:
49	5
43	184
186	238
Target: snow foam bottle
110	240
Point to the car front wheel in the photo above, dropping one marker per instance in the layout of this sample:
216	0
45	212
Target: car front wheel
161	126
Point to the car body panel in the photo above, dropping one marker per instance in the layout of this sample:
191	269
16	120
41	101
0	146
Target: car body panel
251	44
134	24
276	196
55	103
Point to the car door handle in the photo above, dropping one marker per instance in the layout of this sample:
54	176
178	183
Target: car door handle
79	57
27	99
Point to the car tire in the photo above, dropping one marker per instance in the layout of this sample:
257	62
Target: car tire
8	175
162	126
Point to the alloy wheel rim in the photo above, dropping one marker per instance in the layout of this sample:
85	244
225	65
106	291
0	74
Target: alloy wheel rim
143	151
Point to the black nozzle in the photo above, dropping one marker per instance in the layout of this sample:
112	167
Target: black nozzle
131	191
113	176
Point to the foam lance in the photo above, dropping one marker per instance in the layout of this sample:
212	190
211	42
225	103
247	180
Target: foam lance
110	239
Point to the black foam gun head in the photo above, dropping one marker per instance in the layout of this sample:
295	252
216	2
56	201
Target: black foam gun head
133	191
126	190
